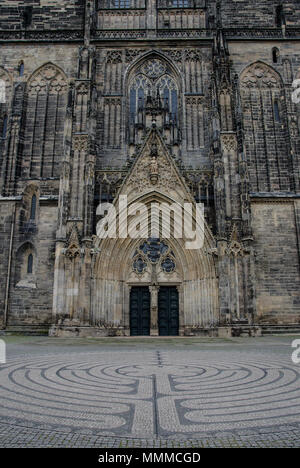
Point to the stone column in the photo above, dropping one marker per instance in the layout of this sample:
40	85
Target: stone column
181	310
154	310
224	279
88	205
59	281
151	18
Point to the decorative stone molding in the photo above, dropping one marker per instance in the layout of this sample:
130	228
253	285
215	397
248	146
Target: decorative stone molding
124	34
47	79
82	88
116	101
235	248
184	33
195	100
175	55
259	75
193	55
41	35
77	34
72	249
164	174
229	142
132	54
80	143
114	56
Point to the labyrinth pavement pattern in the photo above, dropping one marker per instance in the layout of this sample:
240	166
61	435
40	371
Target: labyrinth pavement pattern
149	394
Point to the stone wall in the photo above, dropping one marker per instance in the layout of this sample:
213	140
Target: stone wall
46	14
31	295
277	261
262	14
6	225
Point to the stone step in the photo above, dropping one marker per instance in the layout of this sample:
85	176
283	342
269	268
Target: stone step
27	330
292	329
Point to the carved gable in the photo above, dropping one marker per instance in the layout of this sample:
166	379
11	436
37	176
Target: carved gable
155	171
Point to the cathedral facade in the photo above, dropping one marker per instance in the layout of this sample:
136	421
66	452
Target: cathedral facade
163	102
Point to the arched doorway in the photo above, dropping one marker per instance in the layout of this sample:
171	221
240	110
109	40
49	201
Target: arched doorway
181	279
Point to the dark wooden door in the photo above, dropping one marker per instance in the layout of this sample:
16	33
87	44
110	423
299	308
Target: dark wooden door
168	311
140	311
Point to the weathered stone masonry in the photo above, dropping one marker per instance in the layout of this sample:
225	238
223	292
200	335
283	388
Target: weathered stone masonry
163	101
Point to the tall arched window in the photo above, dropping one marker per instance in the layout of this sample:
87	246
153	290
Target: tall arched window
153	78
21	69
44	126
33	208
30	264
275	55
276	111
265	135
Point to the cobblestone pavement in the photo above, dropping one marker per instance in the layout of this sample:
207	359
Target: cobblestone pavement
149	393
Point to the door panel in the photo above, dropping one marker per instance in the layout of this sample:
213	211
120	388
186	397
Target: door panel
139	311
168	311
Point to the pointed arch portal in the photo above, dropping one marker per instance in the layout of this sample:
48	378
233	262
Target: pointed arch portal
154	285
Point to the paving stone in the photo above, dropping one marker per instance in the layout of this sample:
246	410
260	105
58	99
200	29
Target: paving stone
94	396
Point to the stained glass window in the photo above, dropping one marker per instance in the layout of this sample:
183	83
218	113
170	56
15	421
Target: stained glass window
139	265
154	248
153	78
168	265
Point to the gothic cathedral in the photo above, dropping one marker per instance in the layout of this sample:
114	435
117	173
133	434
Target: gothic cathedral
159	102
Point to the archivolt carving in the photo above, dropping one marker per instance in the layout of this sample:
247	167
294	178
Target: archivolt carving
260	75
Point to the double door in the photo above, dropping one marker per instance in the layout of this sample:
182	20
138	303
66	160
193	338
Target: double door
140	310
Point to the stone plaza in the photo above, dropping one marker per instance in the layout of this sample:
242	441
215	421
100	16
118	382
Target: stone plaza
150	392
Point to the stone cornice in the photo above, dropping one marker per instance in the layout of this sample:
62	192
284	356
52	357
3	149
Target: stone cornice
42	35
77	35
273	197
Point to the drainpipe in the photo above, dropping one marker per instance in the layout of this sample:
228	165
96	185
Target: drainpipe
9	266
